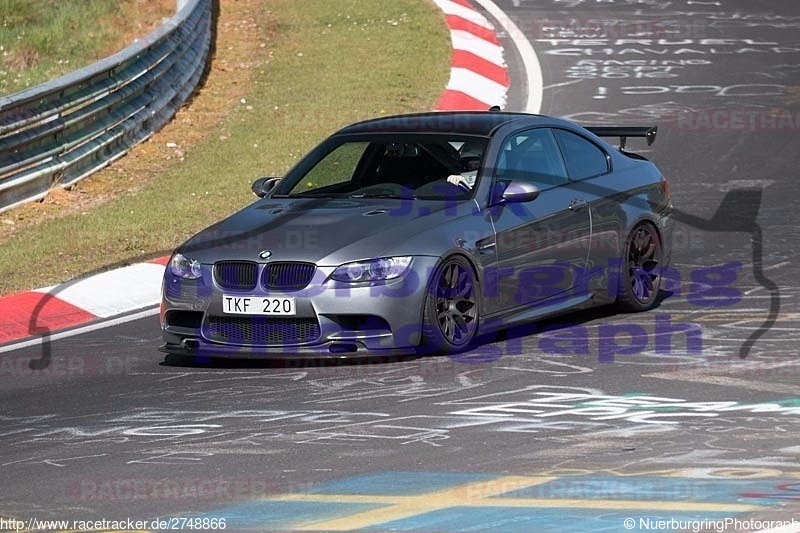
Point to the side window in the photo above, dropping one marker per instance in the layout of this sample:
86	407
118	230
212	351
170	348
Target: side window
584	159
532	156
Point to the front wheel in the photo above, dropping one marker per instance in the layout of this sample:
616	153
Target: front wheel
450	316
640	277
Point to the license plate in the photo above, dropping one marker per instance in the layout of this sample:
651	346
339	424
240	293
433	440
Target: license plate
257	305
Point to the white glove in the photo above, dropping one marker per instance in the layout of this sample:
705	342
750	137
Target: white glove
458	180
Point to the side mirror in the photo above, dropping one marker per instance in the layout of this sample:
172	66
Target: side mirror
262	186
517	192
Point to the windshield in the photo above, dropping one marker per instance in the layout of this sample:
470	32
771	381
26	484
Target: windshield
389	166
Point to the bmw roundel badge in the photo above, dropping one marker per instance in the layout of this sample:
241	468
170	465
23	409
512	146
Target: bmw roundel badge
266	254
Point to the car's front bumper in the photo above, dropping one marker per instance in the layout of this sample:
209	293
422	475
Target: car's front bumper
333	319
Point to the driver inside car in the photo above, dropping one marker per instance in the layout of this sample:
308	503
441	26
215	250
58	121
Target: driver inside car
470	159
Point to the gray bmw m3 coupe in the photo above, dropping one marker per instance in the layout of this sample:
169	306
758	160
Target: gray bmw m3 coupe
416	233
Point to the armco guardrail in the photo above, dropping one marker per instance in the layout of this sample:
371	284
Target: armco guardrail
56	133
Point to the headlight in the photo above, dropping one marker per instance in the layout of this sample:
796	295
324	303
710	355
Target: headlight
380	269
184	267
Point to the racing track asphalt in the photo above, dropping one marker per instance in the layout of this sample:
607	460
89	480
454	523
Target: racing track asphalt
527	432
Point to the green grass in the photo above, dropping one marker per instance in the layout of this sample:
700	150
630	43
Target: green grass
337	167
43	39
331	63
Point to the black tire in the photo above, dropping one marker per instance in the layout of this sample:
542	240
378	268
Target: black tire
450	317
640	279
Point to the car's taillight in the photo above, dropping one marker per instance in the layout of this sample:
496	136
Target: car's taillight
665	188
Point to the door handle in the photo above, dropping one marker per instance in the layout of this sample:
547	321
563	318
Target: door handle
486	246
577	204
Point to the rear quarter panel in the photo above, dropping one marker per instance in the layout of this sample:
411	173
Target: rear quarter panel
629	195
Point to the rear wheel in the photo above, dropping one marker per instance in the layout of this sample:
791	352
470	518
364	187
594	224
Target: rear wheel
450	318
640	278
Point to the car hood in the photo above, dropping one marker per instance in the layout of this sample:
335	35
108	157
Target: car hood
329	232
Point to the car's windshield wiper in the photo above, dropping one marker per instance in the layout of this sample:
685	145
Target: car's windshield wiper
313	195
381	195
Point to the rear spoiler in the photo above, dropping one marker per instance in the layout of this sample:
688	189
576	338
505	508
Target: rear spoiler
623	132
